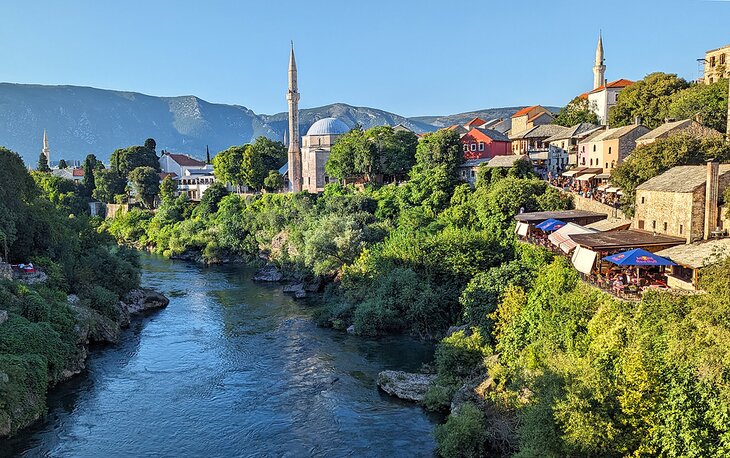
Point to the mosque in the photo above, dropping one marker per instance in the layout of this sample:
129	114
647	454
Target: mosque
306	162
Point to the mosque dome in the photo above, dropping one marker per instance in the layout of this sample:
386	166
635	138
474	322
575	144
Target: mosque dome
328	126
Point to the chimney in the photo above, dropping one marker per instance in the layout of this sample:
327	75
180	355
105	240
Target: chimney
711	196
637	120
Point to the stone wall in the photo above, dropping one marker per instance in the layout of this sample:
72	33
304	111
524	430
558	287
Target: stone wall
682	212
112	209
582	203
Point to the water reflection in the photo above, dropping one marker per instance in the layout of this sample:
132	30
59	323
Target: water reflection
232	368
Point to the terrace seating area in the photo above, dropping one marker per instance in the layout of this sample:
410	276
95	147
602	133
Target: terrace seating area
619	262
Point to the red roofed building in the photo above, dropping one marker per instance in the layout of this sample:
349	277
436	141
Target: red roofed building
529	117
604	97
485	144
193	176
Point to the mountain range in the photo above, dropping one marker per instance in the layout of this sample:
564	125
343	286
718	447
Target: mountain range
83	120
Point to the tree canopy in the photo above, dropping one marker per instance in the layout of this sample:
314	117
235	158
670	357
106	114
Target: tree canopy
146	183
648	98
124	160
708	102
43	165
577	111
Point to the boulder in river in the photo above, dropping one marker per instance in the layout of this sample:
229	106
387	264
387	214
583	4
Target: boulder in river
298	290
268	273
405	385
143	299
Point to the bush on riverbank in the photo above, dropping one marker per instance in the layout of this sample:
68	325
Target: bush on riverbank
43	220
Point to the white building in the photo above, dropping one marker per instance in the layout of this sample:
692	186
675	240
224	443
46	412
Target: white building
193	176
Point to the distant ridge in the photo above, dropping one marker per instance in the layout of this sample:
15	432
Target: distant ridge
82	120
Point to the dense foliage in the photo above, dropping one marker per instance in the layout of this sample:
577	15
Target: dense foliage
44	220
577	111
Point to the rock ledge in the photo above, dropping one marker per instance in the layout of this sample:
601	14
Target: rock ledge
405	385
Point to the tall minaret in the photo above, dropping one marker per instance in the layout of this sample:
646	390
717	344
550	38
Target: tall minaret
599	70
46	150
295	155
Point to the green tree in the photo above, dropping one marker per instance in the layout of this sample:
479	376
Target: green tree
168	188
211	198
648	98
150	144
62	164
274	181
124	160
440	148
108	185
146	183
577	111
228	165
88	181
396	150
273	153
43	164
253	170
352	155
709	101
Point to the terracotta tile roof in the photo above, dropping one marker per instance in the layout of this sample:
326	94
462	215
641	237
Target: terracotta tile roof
583	96
613	84
476	122
185	160
542	113
524	111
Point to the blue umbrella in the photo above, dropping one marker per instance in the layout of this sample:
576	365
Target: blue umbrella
550	225
638	257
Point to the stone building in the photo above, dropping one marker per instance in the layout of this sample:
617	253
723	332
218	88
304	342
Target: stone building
316	146
678	203
716	64
610	147
529	117
669	128
563	146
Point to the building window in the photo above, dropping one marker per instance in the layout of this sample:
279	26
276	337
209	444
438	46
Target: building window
643	199
481	146
466	147
473	147
722	59
472	174
641	224
665	226
653	225
609	150
606	165
613	164
712	61
680	229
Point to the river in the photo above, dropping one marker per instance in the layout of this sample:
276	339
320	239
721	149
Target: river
231	368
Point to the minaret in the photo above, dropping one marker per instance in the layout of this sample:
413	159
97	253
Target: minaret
599	70
295	155
46	150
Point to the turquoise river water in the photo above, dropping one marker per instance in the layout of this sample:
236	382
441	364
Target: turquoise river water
231	368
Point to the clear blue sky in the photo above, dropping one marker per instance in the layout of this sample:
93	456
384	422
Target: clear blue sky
408	57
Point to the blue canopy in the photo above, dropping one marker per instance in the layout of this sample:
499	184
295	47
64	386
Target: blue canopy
550	225
638	257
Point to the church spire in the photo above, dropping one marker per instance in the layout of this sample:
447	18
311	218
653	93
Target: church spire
295	157
599	69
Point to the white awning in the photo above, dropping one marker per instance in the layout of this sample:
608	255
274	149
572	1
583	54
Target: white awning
603	187
521	229
613	189
586	177
584	259
570	173
561	237
603	176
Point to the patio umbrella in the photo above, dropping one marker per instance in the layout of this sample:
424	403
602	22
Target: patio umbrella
638	257
550	225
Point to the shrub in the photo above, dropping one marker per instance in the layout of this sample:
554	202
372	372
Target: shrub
459	354
464	434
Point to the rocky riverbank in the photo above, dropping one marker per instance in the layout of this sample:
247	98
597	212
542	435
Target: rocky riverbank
90	326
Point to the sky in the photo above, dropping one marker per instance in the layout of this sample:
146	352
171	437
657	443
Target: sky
409	57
